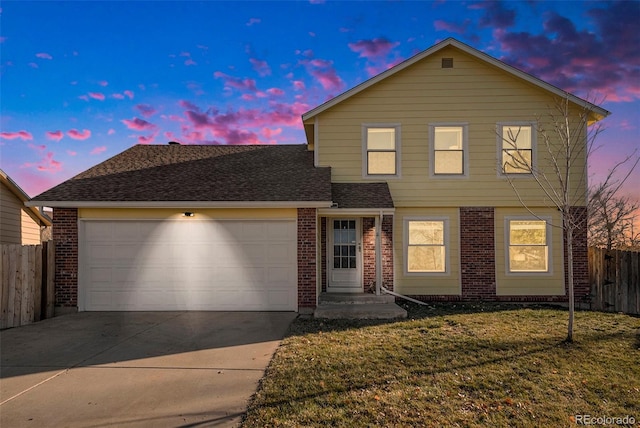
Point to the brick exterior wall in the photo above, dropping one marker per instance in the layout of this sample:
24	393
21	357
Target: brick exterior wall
369	254
323	254
477	253
387	252
65	235
581	287
306	257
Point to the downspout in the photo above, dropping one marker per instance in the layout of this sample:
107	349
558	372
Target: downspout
404	297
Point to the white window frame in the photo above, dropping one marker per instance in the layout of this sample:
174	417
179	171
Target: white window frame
465	149
501	148
365	151
507	246
446	244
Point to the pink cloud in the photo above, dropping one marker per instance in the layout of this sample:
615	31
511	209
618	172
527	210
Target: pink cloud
138	124
188	105
269	133
253	21
117	96
248	97
146	110
189	62
54	135
261	67
299	85
98	150
33	65
129	94
323	71
84	97
111	131
103	83
148	139
275	92
374	48
77	135
43	55
71	152
96	96
235	82
23	135
441	25
3	39
46	164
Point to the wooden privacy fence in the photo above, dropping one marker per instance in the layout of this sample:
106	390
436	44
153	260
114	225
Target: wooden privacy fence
615	280
27	293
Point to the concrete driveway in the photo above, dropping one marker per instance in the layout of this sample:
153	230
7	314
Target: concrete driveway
99	369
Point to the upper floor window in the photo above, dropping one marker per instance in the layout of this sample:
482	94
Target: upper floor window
528	242
517	143
381	149
448	147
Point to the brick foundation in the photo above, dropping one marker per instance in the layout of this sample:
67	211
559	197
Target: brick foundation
65	235
306	258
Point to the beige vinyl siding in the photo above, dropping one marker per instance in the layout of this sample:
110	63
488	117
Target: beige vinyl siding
17	226
472	92
529	284
427	284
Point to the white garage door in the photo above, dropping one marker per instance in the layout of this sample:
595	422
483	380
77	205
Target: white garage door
188	264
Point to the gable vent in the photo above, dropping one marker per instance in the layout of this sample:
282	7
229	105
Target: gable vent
447	62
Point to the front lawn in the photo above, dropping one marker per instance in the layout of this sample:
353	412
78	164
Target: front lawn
453	365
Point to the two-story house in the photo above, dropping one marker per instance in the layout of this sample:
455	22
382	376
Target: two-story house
404	184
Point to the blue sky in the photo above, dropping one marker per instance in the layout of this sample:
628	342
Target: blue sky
82	81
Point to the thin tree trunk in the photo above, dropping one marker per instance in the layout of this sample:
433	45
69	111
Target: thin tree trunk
570	280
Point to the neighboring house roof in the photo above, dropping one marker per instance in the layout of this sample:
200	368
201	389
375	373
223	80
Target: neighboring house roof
201	175
361	195
24	198
598	111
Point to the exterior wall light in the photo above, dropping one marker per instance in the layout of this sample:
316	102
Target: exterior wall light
188	214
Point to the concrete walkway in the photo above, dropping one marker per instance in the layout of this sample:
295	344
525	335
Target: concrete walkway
136	369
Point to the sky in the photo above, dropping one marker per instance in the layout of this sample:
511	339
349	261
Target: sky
81	81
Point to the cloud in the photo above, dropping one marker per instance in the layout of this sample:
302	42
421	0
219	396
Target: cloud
604	62
441	25
323	71
129	94
111	131
71	152
253	21
189	62
235	82
496	14
23	135
46	163
146	110
275	92
269	133
43	55
148	139
103	83
3	39
374	48
33	65
98	150
260	67
299	85
54	135
117	96
84	97
96	96
138	124
188	105
77	135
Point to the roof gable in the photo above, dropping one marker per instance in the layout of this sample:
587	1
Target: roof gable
451	42
20	194
199	174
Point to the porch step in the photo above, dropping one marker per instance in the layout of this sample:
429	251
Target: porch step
354	298
366	311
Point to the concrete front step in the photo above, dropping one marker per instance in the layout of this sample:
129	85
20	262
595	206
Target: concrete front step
355	299
367	311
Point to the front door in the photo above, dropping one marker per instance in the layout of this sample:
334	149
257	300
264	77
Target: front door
345	256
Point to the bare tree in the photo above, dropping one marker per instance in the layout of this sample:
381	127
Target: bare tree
565	138
611	215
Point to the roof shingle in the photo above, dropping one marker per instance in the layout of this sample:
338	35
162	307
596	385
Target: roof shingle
146	173
361	195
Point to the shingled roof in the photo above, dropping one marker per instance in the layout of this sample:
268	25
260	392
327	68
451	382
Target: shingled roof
161	173
361	195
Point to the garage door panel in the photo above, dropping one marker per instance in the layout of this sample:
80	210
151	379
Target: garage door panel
189	265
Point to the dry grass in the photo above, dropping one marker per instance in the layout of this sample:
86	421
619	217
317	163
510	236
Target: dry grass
450	366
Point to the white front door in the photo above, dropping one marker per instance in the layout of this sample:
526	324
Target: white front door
345	256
